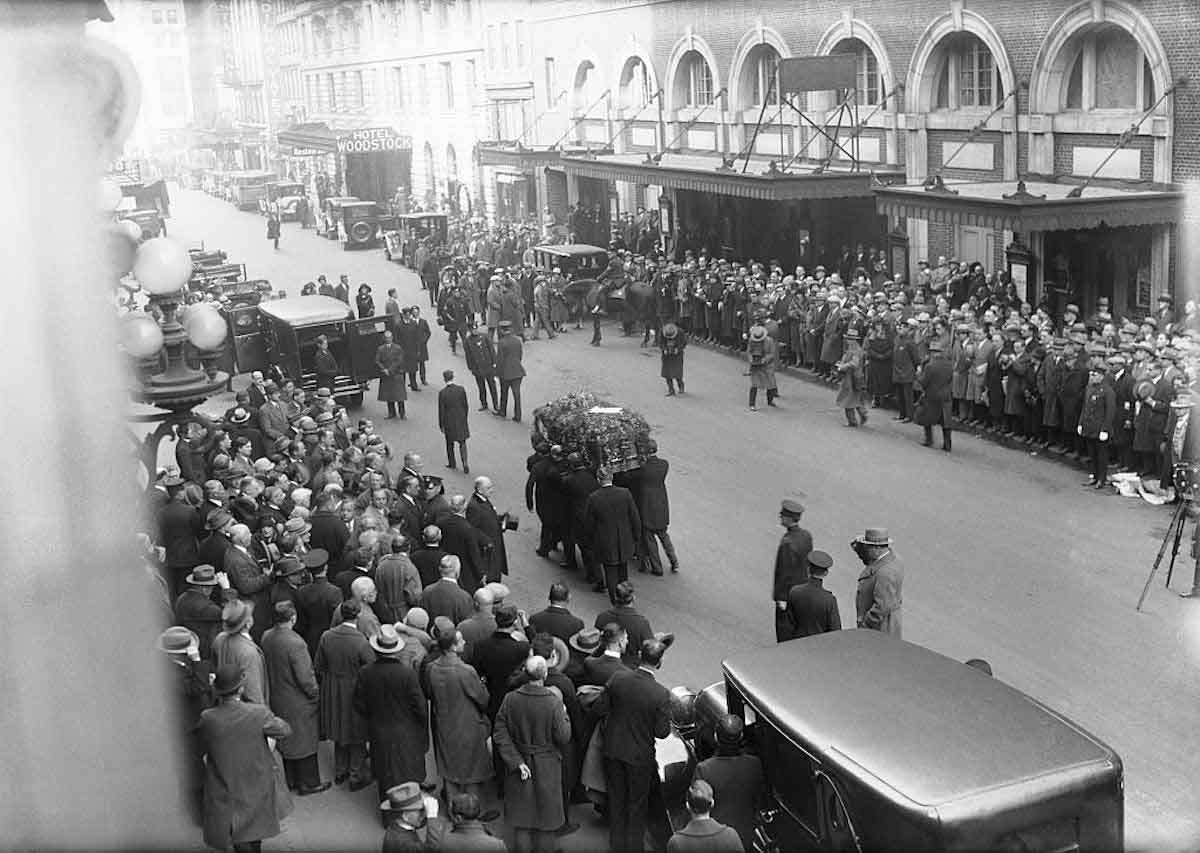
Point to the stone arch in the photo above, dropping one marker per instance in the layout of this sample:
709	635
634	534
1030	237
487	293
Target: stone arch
1054	55
684	46
636	52
854	28
919	88
759	36
583	57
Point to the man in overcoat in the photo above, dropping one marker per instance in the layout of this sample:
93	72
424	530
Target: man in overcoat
341	653
248	578
496	657
813	609
197	607
453	414
635	625
445	597
509	369
294	696
390	359
234	646
878	599
389	697
325	364
244	798
408	337
190	694
791	564
179	530
481	361
736	778
578	484
614	527
544	490
317	599
650	490
1096	422
459	702
482	515
936	407
531	731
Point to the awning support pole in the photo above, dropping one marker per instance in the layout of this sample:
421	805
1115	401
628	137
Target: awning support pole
540	116
657	158
577	121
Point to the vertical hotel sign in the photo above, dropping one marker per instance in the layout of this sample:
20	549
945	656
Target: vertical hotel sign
272	106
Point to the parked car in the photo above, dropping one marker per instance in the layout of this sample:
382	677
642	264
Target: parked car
279	337
363	224
409	229
330	223
247	189
285	197
868	742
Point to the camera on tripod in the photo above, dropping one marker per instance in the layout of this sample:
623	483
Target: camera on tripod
1186	476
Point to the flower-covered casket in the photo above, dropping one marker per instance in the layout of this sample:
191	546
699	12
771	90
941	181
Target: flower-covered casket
605	435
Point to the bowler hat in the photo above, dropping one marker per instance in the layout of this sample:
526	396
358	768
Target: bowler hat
791	507
176	640
585	640
505	324
229	677
819	561
388	641
874	536
287	567
202	575
217	519
324	393
403	797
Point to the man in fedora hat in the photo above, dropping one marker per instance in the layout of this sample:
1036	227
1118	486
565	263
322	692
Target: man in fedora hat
198	607
243	802
294	695
509	369
813	609
411	820
936	379
761	355
389	697
248	578
878	599
673	344
852	385
604	650
191	682
235	646
458	703
791	564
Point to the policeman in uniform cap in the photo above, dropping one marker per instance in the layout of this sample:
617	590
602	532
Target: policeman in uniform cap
813	609
791	564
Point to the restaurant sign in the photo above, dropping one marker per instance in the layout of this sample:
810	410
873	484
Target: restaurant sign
371	140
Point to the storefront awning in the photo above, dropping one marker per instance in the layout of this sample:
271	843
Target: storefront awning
708	173
313	136
513	155
1031	206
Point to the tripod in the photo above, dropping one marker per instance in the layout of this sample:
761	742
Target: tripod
1172	537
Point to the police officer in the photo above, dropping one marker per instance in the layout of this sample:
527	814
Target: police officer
791	564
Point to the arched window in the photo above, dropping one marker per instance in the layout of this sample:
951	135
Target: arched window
635	85
451	165
760	77
869	80
1109	72
695	80
967	76
583	94
430	171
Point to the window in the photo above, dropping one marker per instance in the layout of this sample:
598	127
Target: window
699	81
172	16
399	88
172	87
551	82
522	34
869	82
635	85
765	81
357	95
331	89
472	81
506	45
443	14
491	46
967	76
423	87
156	16
447	87
1109	72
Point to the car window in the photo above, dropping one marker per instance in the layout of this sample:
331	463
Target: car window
790	774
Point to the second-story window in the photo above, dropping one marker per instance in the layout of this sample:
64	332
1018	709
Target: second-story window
968	76
172	16
699	81
447	87
471	82
357	95
506	45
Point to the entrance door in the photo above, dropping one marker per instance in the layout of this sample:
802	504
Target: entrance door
977	244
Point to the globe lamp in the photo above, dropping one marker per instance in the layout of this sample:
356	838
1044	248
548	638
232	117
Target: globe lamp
205	327
132	230
162	266
140	335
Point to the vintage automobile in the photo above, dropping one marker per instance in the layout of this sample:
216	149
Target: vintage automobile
868	742
285	197
581	265
330	222
247	189
280	336
149	220
363	224
398	242
205	275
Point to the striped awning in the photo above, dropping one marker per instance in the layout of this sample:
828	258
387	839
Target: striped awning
1031	206
708	173
513	155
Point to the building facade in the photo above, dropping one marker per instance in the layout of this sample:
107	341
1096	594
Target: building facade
1045	138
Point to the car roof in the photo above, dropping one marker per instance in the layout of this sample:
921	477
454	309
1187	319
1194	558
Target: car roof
931	728
570	250
307	310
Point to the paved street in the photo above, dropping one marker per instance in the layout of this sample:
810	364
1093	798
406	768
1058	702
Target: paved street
1007	558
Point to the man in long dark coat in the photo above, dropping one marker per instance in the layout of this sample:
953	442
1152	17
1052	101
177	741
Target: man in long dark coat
390	359
936	405
484	518
453	413
544	489
389	696
198	607
294	695
509	368
341	653
813	609
578	486
531	731
325	364
481	361
317	599
465	541
791	564
461	728
408	336
650	489
615	526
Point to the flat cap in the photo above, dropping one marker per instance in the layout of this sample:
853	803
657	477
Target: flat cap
315	558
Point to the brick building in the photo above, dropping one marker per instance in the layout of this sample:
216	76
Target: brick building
677	105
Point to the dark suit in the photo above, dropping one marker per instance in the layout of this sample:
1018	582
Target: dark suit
447	598
179	531
510	371
196	610
495	658
484	518
636	626
614	526
330	533
598	670
317	601
460	538
638	712
578	486
453	413
812	609
556	621
251	584
481	361
650	490
211	550
737	782
427	561
410	516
